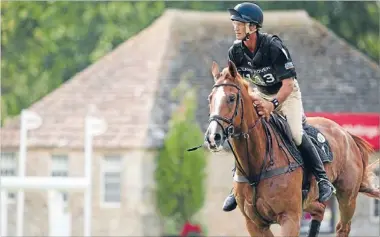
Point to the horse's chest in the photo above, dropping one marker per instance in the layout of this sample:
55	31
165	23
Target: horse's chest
244	198
266	205
246	206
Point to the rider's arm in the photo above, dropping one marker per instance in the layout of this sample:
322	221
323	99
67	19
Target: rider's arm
284	70
285	90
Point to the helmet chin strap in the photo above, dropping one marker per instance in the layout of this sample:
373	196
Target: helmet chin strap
248	32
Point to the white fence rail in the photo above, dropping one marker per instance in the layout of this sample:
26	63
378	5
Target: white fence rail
29	121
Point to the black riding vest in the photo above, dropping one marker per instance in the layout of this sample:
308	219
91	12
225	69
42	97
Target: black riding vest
267	66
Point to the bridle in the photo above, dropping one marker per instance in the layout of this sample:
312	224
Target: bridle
229	130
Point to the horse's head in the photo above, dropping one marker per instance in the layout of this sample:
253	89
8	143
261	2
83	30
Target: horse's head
226	105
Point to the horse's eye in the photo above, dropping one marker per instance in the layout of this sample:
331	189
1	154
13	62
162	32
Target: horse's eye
231	98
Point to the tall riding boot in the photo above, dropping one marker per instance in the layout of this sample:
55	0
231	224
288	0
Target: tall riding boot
230	202
314	163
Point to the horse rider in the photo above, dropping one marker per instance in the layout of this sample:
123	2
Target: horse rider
264	61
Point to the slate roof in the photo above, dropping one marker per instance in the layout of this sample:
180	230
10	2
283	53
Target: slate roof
130	87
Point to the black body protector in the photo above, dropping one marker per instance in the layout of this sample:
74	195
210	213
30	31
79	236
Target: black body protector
267	66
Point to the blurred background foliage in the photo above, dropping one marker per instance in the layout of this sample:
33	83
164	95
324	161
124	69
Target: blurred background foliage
180	175
43	44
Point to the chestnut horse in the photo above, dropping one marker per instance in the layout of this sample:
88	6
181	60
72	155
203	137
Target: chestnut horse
272	192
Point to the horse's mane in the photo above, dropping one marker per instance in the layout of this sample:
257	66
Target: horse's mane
238	78
244	82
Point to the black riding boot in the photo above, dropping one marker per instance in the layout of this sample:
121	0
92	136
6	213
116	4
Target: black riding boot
229	203
314	163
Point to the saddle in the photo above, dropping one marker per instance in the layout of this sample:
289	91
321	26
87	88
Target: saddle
280	125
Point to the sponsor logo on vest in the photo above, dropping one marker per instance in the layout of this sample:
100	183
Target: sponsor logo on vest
289	65
245	69
261	70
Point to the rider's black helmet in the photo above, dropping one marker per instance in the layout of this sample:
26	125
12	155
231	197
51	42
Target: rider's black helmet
248	13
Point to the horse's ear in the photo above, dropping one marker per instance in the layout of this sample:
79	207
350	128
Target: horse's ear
215	70
232	68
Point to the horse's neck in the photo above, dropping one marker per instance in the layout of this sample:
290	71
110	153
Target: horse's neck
252	158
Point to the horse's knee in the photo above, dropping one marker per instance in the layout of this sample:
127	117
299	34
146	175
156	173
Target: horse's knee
342	230
317	211
258	230
290	224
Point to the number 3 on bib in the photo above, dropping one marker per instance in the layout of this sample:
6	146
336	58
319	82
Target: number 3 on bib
269	78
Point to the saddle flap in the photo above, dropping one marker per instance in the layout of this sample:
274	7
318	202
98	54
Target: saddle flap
320	142
280	122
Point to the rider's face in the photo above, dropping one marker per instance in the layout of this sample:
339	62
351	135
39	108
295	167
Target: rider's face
239	29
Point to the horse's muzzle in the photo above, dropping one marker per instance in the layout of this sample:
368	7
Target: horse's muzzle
214	139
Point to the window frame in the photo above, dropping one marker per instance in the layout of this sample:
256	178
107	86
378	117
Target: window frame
106	167
11	195
66	170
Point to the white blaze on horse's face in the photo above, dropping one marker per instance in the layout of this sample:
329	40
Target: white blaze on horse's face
214	129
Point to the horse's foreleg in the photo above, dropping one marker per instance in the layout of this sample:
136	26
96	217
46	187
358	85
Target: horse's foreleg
290	224
255	230
316	210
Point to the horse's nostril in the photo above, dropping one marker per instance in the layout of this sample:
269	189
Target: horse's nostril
218	137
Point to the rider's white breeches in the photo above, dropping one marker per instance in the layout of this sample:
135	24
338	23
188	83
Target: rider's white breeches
292	108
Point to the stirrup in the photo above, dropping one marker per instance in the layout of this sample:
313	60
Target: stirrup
328	183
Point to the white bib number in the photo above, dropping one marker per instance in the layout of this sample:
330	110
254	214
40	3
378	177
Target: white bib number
268	78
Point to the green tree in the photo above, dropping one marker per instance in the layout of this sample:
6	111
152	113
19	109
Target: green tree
43	44
180	174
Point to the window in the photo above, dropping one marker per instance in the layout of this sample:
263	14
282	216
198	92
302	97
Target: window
111	181
375	204
60	168
8	167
